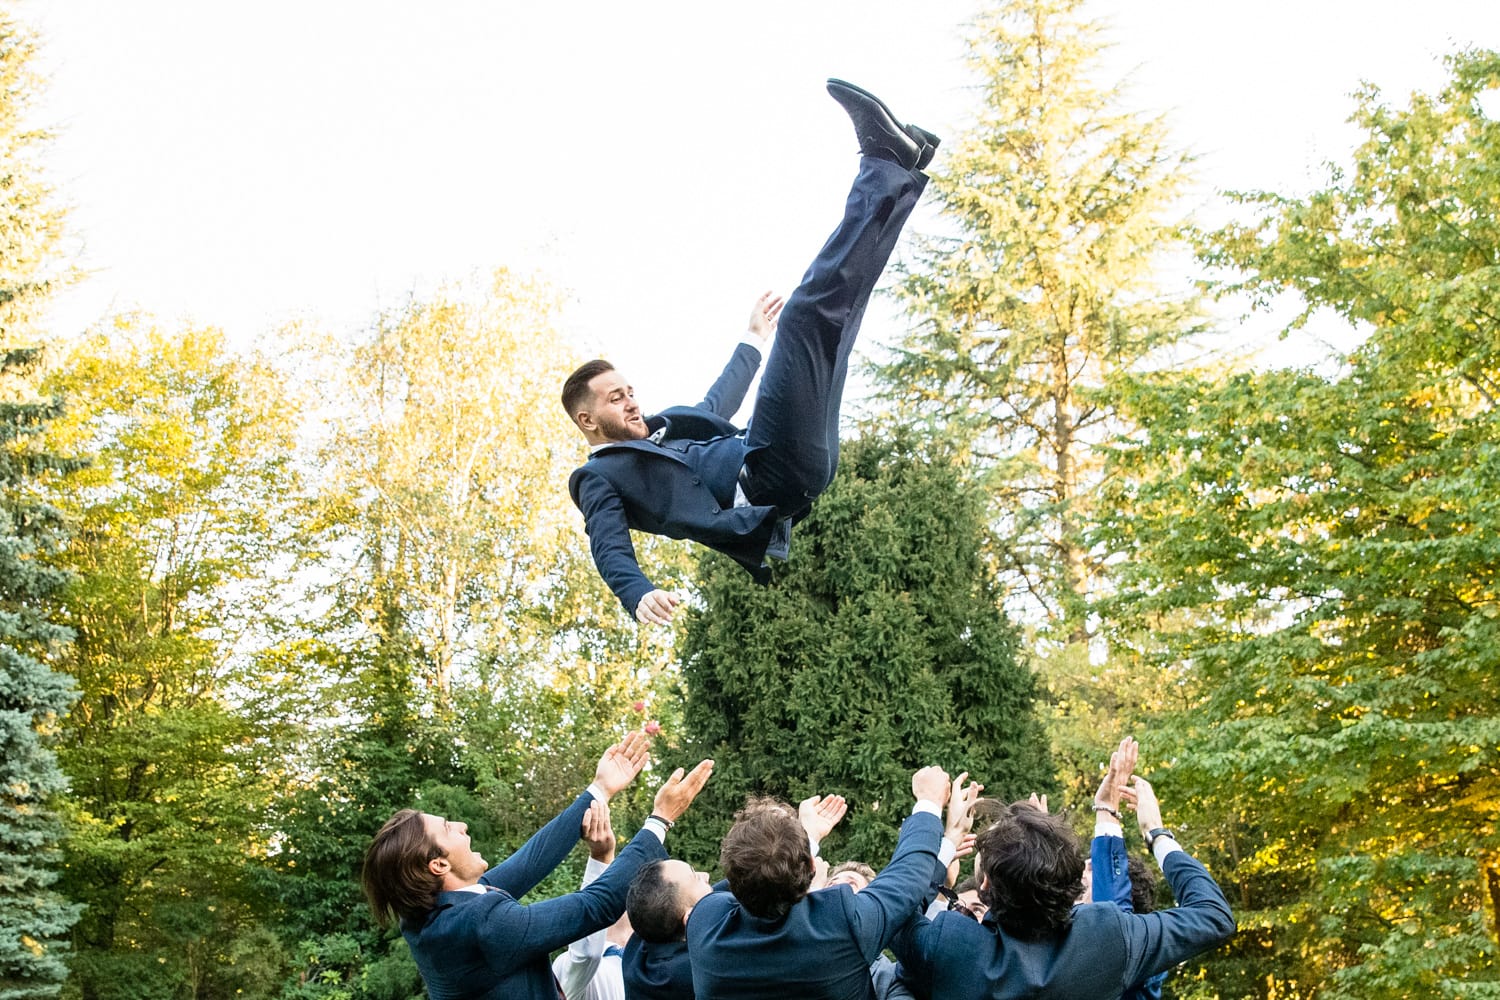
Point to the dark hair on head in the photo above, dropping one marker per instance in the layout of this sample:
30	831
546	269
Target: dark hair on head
395	875
858	867
1142	885
575	390
655	905
970	884
1035	869
766	858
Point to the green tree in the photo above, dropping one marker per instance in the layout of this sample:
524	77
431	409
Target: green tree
1333	542
31	225
1044	290
34	918
467	660
878	648
181	530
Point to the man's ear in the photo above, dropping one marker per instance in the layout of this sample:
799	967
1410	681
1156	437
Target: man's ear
439	866
585	421
985	884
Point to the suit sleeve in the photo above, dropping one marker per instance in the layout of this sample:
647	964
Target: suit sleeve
520	872
915	946
1111	872
896	895
513	932
609	538
576	967
728	391
1200	920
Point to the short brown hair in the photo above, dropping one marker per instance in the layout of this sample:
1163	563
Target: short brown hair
766	858
576	389
857	867
1034	866
395	875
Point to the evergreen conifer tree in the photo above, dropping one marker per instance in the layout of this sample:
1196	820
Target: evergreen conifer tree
34	920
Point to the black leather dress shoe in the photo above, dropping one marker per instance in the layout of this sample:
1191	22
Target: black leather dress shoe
880	134
927	141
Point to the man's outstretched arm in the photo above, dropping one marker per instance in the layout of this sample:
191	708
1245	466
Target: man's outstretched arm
609	538
727	393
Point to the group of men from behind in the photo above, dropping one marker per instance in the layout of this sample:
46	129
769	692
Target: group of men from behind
779	924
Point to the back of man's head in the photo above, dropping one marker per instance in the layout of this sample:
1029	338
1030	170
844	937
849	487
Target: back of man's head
576	394
395	874
1034	867
766	858
655	905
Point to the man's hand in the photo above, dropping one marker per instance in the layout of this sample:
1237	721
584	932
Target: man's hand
931	784
1037	802
598	834
656	607
961	808
821	813
1147	810
820	875
679	791
1121	765
621	763
764	315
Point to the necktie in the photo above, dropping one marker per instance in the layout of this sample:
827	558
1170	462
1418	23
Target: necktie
614	950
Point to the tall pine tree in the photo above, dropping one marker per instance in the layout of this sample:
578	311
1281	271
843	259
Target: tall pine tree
34	920
1043	290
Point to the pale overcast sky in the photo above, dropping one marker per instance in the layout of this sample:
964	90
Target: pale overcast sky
246	164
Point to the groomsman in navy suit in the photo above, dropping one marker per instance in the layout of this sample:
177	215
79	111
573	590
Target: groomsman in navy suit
1034	941
768	937
688	472
471	937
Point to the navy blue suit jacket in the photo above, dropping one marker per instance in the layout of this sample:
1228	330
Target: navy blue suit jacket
1104	952
824	946
682	487
656	971
1112	885
488	946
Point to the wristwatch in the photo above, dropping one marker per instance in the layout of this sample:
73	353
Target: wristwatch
1160	831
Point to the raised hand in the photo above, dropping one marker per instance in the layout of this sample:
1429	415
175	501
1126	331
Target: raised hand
679	791
961	808
1037	802
1147	809
1121	765
621	763
820	875
821	813
764	314
598	833
931	784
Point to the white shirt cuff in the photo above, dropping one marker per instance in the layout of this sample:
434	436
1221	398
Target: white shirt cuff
657	827
1107	826
1163	847
597	792
592	869
813	845
927	806
755	342
946	850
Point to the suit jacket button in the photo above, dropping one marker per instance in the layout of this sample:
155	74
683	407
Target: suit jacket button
697	481
716	509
